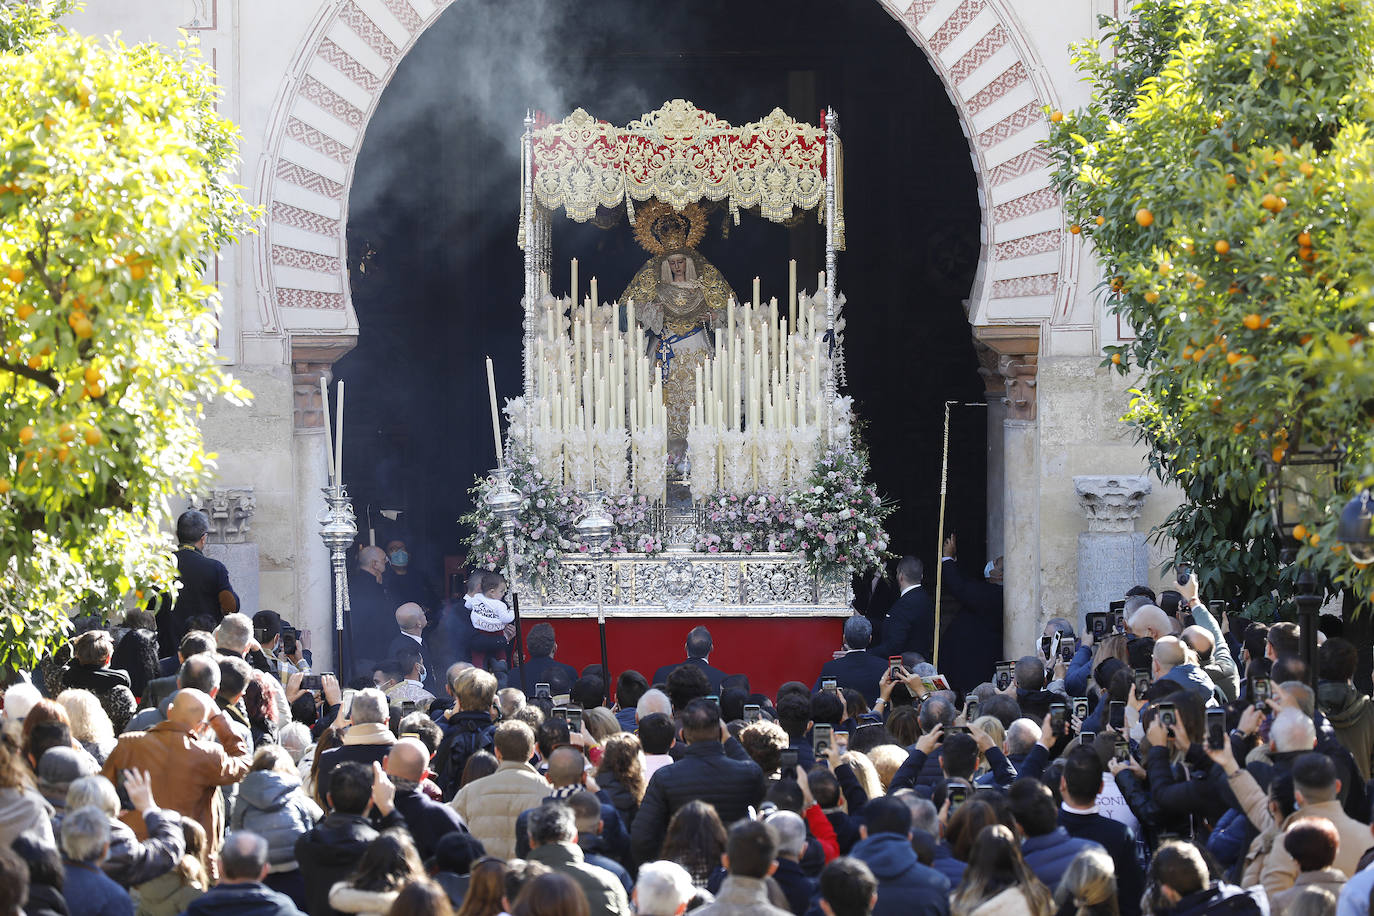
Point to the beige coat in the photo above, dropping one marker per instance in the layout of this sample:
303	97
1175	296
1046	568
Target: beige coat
348	899
1328	878
490	805
1010	902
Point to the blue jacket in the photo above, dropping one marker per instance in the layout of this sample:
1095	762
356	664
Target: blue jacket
1120	843
1080	671
235	899
905	886
97	893
1196	680
1049	855
945	863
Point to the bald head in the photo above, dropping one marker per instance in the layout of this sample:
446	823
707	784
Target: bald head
372	559
190	708
410	617
1169	654
1150	621
407	760
1199	639
565	767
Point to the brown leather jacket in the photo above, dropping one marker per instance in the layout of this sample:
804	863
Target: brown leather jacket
186	771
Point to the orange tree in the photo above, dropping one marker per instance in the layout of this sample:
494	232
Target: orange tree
1222	171
115	187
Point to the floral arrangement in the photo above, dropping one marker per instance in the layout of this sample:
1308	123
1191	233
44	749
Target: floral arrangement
838	514
835	519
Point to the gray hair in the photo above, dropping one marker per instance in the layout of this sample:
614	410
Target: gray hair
85	834
244	855
653	701
200	672
93	792
1022	735
663	887
858	632
1135	603
924	669
234	632
553	822
1292	731
370	706
1060	625
923	813
789	832
295	737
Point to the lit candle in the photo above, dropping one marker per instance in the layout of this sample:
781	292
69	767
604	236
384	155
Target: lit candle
338	436
328	436
495	414
756	292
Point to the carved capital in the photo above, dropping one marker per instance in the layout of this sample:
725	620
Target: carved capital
1018	372
1111	503
230	512
1017	348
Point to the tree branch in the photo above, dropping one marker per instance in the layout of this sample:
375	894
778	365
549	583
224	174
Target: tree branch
40	376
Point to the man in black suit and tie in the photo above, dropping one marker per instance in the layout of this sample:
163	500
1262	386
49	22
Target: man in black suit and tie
910	625
205	588
698	649
411	620
857	667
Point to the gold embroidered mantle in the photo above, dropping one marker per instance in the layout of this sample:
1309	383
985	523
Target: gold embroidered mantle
681	154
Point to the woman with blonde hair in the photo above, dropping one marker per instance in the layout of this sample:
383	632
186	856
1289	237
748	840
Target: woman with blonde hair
621	774
1088	887
887	760
91	727
865	772
601	722
172	893
997	881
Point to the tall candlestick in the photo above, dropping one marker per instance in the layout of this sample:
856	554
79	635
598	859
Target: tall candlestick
328	437
495	415
756	292
338	434
792	295
595	300
574	281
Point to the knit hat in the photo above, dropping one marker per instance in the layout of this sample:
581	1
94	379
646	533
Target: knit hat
60	766
457	851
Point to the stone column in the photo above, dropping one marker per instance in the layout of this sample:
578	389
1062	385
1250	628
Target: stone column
1112	555
995	395
311	360
1017	351
230	511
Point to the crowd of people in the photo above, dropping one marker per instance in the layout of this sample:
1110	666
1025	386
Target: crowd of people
1155	760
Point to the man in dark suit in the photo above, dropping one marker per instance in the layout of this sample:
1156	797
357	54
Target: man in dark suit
972	642
1079	786
698	650
372	612
411	620
873	597
910	625
857	667
205	587
540	668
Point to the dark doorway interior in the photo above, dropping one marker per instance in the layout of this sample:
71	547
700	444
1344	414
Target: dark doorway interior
437	275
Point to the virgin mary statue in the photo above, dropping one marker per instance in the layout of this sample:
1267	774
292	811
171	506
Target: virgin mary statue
680	299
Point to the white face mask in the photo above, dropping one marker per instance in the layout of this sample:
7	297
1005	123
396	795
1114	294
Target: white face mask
424	673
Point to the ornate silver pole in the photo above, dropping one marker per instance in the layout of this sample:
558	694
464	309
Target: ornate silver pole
595	529
533	243
338	528
832	134
504	502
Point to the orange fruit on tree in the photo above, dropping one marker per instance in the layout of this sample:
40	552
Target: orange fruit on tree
63	454
95	391
67	432
1152	297
91	375
92	436
1232	358
16	274
4	486
35	362
1253	321
1144	217
1314	540
1270	201
1305	239
1300	532
27	435
1230	180
24	311
1116	359
137	270
1280	158
1306	169
1075	229
1278	453
1056	117
1100	220
1305	339
81	326
1222	246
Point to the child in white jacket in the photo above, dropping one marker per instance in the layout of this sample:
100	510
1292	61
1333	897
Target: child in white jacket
491	618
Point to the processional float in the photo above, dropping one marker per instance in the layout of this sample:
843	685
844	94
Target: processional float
686	419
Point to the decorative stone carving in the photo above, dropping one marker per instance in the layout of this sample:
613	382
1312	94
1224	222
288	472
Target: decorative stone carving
1111	503
1019	374
311	360
230	512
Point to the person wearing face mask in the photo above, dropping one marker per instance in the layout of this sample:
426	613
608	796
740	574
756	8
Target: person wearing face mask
411	621
403	583
410	688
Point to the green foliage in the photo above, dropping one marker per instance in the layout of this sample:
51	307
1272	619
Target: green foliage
115	188
1223	173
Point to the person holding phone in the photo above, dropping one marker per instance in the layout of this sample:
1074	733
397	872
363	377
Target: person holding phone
1080	784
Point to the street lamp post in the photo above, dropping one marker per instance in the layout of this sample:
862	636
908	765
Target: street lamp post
504	502
595	529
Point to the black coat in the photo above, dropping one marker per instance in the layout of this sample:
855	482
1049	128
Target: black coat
1120	843
796	887
202	580
366	754
714	675
428	821
227	899
330	851
858	669
538	671
721	775
910	626
971	645
371	621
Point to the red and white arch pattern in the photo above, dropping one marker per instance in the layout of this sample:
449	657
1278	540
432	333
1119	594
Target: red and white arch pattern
351	53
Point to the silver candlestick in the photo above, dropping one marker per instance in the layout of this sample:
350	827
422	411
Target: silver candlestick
594	529
338	529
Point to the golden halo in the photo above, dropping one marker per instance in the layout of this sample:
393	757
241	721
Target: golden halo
660	229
